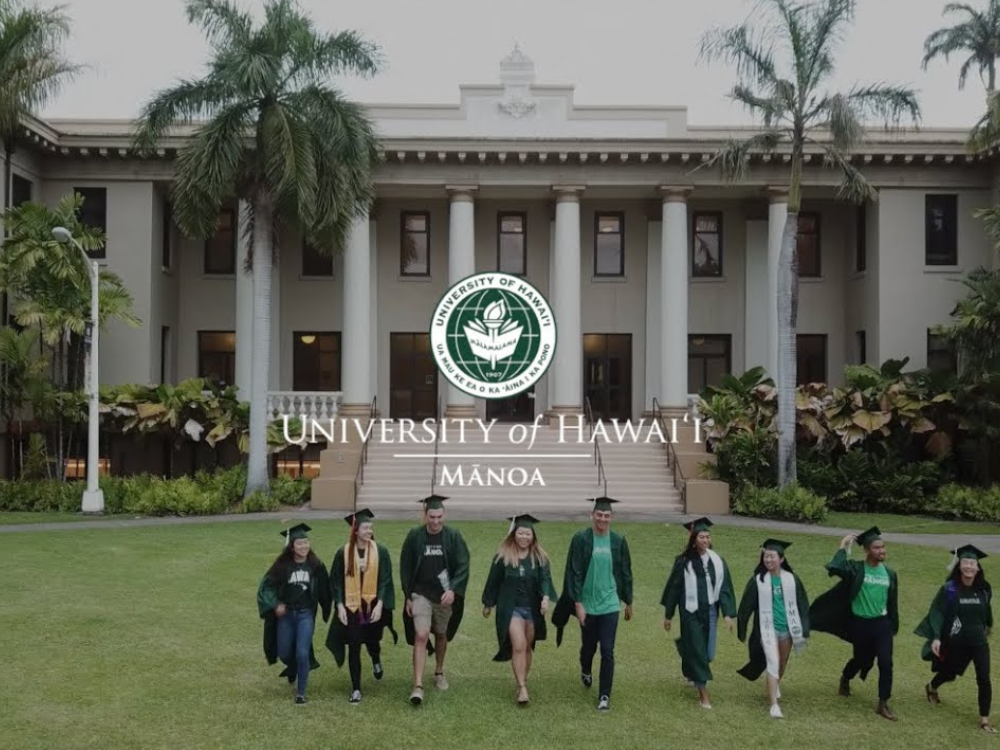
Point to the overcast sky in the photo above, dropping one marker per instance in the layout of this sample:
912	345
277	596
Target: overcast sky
620	52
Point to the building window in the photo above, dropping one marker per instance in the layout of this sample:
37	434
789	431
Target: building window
609	244
861	238
810	358
164	354
941	354
709	359
941	232
862	342
217	356
316	361
512	245
415	244
706	259
315	263
94	214
807	246
168	221
20	191
220	250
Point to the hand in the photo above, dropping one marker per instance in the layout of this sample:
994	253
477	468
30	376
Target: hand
448	598
729	623
847	541
545	604
628	612
280	610
486	611
581	613
936	648
409	608
377	611
666	625
342	614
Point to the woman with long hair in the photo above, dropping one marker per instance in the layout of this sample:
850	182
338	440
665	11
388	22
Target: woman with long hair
957	628
520	586
699	583
288	596
776	598
361	581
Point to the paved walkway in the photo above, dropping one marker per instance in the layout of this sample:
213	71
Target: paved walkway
985	542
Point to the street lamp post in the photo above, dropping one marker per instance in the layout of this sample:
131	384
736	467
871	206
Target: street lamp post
93	498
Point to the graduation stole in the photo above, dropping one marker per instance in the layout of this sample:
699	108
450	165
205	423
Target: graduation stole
691	582
765	617
354	590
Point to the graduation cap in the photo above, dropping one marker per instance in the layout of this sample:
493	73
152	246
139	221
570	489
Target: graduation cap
433	502
965	552
602	503
296	532
523	521
362	516
865	538
776	545
698	524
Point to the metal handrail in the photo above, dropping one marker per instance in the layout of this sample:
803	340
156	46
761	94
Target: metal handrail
602	477
672	462
437	441
359	475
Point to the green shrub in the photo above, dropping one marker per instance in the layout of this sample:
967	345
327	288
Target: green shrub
792	503
259	502
968	503
745	458
289	491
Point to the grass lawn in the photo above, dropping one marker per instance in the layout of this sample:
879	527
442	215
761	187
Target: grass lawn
149	638
902	524
11	518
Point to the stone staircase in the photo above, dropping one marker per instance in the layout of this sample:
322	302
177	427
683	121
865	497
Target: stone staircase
500	477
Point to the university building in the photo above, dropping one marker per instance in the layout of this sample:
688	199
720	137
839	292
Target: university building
662	274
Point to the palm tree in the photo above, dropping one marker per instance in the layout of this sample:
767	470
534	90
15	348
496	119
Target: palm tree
797	110
978	34
277	135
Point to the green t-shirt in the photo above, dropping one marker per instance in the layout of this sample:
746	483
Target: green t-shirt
600	594
778	604
874	594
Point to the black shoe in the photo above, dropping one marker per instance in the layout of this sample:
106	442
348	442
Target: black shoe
587	679
377	670
300	700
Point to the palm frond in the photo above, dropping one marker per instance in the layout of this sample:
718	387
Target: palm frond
772	109
733	158
187	101
225	24
854	186
742	47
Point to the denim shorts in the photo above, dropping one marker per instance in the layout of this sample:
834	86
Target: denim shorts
524	613
783	635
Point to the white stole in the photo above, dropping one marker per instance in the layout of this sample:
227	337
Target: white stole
765	617
691	582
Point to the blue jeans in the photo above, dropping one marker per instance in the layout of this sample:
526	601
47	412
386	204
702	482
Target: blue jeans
295	634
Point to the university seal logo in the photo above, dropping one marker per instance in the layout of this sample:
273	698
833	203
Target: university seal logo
493	335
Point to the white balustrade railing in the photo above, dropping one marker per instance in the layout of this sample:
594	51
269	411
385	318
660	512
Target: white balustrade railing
321	405
693	399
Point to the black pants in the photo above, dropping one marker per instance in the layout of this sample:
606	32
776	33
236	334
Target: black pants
872	639
957	658
599	629
361	633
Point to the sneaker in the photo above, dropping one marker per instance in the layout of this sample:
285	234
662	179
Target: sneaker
300	700
439	681
604	704
417	695
377	670
356	696
776	712
587	679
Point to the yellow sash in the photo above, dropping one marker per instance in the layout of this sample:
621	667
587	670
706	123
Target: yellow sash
354	592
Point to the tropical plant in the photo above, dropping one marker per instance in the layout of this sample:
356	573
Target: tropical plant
798	113
977	35
275	134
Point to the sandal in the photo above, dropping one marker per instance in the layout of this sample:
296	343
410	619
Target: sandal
987	727
932	695
522	695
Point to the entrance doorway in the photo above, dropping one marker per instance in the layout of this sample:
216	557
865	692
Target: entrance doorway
519	408
412	377
607	374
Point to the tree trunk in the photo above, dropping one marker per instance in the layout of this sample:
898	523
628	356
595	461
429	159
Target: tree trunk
788	304
257	478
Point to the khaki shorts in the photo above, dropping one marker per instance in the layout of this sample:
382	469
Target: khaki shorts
428	616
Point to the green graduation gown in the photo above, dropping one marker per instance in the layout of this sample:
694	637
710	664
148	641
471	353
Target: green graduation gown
456	556
269	596
937	624
831	612
336	638
757	663
501	592
581	548
693	642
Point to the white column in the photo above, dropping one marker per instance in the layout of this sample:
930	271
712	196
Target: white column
756	299
654	299
373	308
244	310
461	263
355	355
566	380
777	214
274	368
674	291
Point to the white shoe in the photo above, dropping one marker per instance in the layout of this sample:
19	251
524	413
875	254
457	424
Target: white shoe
776	712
